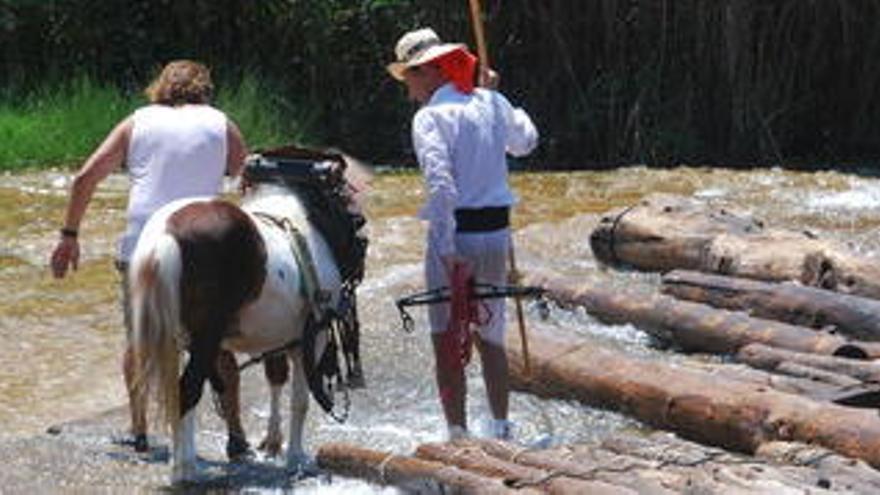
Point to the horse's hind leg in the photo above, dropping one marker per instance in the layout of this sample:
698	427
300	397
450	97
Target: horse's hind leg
137	401
237	446
299	405
277	370
184	451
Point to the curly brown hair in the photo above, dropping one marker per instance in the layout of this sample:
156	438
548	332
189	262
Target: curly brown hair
181	81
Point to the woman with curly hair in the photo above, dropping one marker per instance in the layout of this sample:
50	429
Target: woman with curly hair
177	146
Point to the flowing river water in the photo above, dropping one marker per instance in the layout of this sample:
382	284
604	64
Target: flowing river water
61	340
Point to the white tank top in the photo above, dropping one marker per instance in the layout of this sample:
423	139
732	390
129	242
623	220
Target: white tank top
173	153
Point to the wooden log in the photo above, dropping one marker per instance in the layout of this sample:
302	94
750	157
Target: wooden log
591	463
833	472
778	467
857	317
801	383
473	458
663	232
696	405
803	371
766	357
406	472
858	380
692	326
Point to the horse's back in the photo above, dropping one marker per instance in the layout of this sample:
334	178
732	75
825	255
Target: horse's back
278	315
222	254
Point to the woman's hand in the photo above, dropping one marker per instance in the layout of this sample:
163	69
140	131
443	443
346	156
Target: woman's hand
65	255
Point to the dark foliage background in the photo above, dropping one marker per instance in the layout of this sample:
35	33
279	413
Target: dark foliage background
608	81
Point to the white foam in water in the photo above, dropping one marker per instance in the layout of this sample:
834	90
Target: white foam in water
861	196
712	192
397	274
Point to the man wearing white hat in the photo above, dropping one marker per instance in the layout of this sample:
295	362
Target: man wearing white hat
461	135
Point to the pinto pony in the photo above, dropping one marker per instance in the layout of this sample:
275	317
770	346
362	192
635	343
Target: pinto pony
270	277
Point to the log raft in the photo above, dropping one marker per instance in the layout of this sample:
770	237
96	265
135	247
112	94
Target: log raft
854	316
622	463
695	327
700	406
407	472
664	232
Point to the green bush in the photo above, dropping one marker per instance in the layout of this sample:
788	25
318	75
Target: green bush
62	123
58	124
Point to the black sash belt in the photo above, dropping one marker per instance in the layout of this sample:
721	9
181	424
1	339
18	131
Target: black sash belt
482	219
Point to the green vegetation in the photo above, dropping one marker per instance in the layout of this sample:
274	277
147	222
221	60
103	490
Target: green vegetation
59	125
610	82
266	117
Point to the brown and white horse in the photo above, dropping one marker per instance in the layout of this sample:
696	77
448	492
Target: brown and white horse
207	276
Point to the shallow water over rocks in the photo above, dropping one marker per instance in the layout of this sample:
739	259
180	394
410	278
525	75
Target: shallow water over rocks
62	339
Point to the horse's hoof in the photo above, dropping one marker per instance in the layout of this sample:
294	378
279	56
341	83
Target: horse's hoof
137	442
238	449
270	447
185	473
140	443
356	381
302	466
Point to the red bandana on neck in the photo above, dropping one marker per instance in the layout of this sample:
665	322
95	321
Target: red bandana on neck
458	66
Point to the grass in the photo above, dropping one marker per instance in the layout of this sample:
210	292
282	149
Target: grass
57	124
60	124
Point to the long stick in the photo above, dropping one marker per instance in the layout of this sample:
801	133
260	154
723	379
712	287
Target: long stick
477	22
483	53
515	278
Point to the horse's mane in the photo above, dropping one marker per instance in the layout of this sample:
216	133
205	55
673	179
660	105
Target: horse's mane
318	178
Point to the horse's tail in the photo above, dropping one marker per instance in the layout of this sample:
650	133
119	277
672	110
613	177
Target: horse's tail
157	326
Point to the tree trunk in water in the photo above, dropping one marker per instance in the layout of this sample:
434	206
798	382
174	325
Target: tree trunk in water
408	473
664	232
855	316
696	405
697	327
471	457
765	357
857	380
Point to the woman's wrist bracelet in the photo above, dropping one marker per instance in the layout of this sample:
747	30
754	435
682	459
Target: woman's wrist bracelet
66	232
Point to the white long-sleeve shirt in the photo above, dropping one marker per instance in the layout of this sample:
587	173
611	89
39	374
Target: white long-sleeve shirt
461	141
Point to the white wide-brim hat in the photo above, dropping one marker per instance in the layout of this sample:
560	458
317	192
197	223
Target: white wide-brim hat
416	48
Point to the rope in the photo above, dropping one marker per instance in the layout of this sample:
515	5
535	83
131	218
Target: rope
463	312
271	352
381	467
316	301
613	234
517	453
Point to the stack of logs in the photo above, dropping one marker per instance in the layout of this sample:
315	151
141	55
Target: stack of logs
798	314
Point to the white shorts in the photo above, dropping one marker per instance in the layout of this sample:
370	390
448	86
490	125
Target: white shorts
487	253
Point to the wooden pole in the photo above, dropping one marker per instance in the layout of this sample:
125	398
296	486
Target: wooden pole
483	54
515	277
477	21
